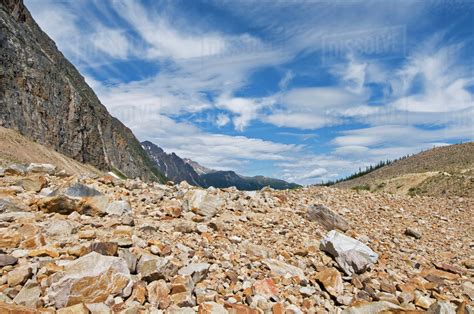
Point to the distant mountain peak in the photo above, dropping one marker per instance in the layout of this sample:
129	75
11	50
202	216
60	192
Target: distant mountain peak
200	169
178	169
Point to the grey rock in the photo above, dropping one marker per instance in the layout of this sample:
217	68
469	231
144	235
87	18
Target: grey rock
14	169
197	271
327	218
41	168
413	233
7	206
6	259
14	216
118	208
29	295
441	307
353	256
129	258
61	228
76	190
91	277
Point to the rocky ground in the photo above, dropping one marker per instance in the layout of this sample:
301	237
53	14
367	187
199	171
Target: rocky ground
73	244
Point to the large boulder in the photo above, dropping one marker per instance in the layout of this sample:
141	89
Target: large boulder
32	183
76	197
353	256
14	170
203	202
327	218
90	279
41	168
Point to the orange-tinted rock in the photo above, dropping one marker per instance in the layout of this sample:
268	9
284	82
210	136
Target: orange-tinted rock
9	240
44	252
240	309
139	292
32	183
331	279
158	294
33	242
80	308
265	287
440	274
6	308
278	308
58	204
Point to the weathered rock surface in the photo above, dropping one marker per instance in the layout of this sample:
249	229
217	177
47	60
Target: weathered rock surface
257	253
90	279
203	202
351	255
331	280
327	218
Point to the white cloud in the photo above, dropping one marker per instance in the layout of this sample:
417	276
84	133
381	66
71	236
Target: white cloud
308	121
439	81
400	135
316	173
211	150
222	120
163	39
283	84
111	42
244	109
321	98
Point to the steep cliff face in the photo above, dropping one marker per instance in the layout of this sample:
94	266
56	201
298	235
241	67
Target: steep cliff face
46	99
171	165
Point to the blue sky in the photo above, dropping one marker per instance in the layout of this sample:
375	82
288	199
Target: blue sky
301	90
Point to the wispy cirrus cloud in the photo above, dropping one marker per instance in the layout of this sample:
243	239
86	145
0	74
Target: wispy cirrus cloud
366	78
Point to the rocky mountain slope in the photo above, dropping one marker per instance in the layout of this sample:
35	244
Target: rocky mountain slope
223	179
46	99
177	170
15	148
447	170
171	165
83	245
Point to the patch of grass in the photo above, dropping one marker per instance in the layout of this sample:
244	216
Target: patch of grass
413	191
119	173
364	187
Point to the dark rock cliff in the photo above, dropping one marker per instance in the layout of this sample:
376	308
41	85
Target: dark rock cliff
46	99
171	165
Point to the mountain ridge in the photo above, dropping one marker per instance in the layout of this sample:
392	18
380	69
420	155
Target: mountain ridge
183	169
445	170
